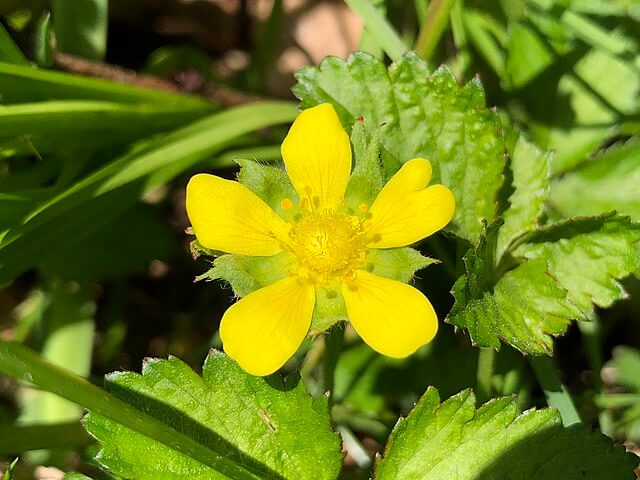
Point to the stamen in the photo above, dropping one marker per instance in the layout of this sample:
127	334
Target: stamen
286	204
327	245
363	208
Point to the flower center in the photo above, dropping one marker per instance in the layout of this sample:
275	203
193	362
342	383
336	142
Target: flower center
327	245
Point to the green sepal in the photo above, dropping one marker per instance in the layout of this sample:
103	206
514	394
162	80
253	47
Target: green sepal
367	178
246	274
269	182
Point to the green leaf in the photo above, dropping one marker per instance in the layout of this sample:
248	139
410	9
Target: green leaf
8	475
455	440
524	308
601	89
529	168
379	28
87	116
23	364
81	27
9	51
587	256
17	438
124	247
75	476
96	199
608	182
426	114
68	319
20	83
254	421
44	41
540	296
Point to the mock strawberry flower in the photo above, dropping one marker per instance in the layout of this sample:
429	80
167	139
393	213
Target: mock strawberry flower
324	247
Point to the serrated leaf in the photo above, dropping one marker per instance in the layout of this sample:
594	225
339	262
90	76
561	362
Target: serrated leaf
455	441
608	182
426	114
530	171
261	423
568	267
587	256
524	309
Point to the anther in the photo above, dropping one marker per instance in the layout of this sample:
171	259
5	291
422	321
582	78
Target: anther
363	208
286	204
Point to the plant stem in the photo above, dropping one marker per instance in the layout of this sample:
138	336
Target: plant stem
484	377
554	390
16	439
422	6
333	346
463	57
433	27
379	28
23	364
354	447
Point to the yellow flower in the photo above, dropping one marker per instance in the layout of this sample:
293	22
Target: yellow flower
326	244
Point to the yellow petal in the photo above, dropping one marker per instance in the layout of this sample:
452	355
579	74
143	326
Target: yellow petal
394	318
317	155
266	327
229	217
405	211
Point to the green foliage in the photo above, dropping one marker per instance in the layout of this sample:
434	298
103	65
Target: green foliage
75	476
608	182
454	440
530	172
81	27
8	475
602	249
122	251
542	294
98	198
256	422
623	399
572	67
9	51
425	114
523	308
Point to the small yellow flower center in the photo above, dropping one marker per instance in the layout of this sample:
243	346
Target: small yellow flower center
327	246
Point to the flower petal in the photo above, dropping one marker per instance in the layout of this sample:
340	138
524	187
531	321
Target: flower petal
317	155
405	211
229	217
394	318
266	327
